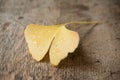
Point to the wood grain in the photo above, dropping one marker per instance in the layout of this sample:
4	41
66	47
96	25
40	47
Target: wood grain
96	58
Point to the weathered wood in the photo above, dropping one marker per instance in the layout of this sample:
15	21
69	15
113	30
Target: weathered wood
96	58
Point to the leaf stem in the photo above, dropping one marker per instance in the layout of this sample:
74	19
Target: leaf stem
82	22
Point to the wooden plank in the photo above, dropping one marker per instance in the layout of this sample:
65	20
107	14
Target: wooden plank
96	58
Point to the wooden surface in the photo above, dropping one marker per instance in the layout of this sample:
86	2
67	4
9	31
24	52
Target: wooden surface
96	58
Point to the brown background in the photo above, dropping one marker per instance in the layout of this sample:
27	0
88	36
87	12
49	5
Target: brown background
96	58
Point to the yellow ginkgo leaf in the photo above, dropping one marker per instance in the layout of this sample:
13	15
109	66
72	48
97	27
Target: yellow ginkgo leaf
58	38
39	39
64	42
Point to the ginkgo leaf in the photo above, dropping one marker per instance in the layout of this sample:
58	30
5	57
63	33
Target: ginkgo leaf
65	41
39	39
58	38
